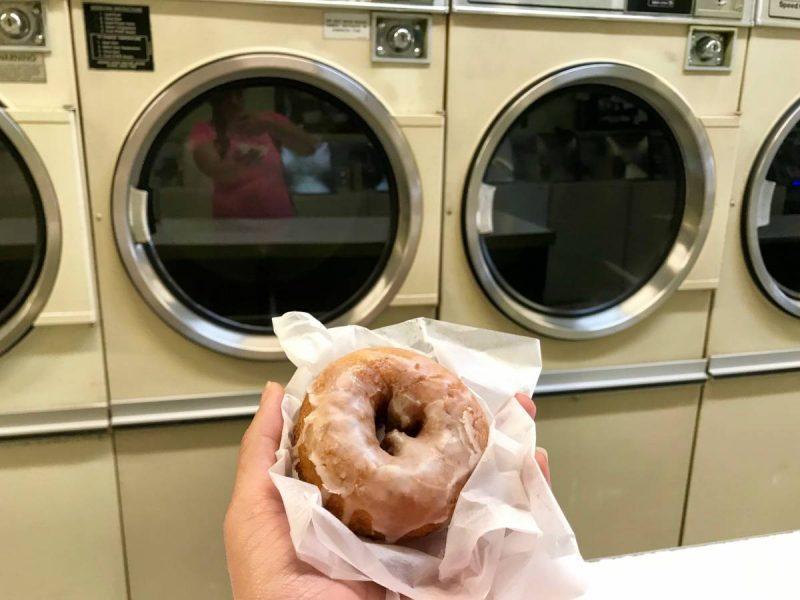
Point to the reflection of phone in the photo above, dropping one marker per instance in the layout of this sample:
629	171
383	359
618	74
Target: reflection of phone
248	154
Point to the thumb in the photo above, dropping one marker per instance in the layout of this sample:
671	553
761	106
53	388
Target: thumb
543	461
260	442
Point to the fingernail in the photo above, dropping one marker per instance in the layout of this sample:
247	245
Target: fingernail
543	451
265	393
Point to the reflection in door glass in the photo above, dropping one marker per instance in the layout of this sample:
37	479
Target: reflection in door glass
22	231
586	191
779	230
267	196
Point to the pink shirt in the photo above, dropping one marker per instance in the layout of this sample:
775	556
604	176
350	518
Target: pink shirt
260	191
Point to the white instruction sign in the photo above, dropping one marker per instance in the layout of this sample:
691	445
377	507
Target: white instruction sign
346	26
27	67
788	9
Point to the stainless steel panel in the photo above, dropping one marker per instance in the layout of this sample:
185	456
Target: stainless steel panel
53	421
186	408
600	378
728	365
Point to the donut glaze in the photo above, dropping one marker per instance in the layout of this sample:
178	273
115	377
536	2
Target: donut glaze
403	484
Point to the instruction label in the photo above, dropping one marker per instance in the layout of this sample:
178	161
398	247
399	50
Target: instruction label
346	26
118	37
25	67
788	9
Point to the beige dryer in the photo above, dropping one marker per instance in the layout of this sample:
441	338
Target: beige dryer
190	273
587	184
57	494
330	117
746	476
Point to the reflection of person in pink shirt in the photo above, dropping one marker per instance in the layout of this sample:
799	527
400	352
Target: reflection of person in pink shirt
241	152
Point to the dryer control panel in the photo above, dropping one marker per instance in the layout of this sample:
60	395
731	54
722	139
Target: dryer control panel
722	9
779	13
787	9
400	38
705	12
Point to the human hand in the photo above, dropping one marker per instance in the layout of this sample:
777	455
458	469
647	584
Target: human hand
261	559
541	454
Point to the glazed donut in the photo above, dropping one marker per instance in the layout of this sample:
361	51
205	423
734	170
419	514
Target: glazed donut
403	484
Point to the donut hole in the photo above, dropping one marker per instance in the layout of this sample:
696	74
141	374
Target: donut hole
386	423
412	430
381	417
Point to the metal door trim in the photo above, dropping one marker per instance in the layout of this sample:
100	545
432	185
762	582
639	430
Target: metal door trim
754	363
754	204
22	320
242	67
595	379
53	422
699	168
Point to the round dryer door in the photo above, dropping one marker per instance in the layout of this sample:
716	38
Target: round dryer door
262	184
772	218
588	201
30	233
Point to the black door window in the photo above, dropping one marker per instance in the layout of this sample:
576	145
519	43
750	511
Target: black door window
22	231
587	193
268	195
779	222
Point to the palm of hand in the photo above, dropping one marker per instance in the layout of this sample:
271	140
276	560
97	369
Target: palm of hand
268	550
261	558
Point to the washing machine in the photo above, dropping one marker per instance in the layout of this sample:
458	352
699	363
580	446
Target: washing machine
745	478
245	159
57	489
587	187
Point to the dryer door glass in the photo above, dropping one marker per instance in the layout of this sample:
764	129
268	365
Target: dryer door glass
778	226
582	200
268	195
22	231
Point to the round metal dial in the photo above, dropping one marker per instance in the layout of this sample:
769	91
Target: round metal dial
401	38
709	48
14	23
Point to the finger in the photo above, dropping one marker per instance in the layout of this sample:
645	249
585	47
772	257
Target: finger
544	464
527	404
260	441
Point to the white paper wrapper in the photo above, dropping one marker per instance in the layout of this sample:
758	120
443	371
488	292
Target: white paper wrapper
508	538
